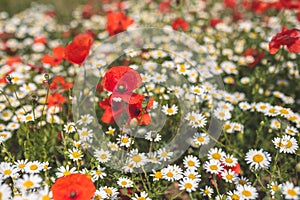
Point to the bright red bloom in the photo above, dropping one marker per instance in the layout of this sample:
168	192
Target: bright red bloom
290	4
230	4
55	99
139	107
180	23
121	79
73	187
165	7
40	39
12	60
213	22
255	54
117	22
58	55
77	51
289	38
59	82
258	6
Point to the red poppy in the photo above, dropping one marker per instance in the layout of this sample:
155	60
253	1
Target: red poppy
117	22
139	107
213	22
58	55
59	82
77	51
290	4
230	4
40	39
73	187
87	11
165	7
255	54
55	99
289	38
121	79
257	6
180	23
12	60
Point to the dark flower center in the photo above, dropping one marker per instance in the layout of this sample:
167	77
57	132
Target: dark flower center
73	194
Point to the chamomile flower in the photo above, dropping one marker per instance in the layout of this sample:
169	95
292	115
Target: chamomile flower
142	196
213	167
207	191
244	106
153	136
131	52
192	173
173	110
65	171
233	195
75	154
229	176
290	191
124	141
176	90
229	160
100	195
28	182
113	146
5	135
124	182
85	134
290	130
5	191
274	187
8	170
258	159
216	154
286	144
111	192
85	119
159	78
163	154
102	156
70	127
199	122
6	115
110	131
33	167
172	173
275	124
242	181
98	173
222	114
21	164
137	159
191	162
157	175
201	138
247	191
188	185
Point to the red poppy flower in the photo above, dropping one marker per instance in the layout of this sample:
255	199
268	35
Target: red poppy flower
121	79
12	60
59	82
165	7
139	107
77	51
73	187
180	23
255	54
56	99
257	6
290	4
58	55
289	38
40	39
230	4
213	22
117	22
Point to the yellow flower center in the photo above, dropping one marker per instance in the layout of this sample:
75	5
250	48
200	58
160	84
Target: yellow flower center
292	192
258	158
214	167
228	160
103	156
229	177
136	158
216	156
169	174
28	184
192	176
46	197
7	172
170	110
188	185
235	197
33	167
108	191
66	173
191	163
125	140
289	144
246	193
200	139
124	183
76	154
158	175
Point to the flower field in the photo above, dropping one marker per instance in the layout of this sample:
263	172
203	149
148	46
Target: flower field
172	99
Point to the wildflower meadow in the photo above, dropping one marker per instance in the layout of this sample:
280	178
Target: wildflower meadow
150	100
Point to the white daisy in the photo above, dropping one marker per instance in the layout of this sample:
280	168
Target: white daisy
70	127
213	167
191	161
247	191
75	154
33	167
201	138
124	182
142	196
222	114
188	185
258	159
216	154
173	110
229	176
102	156
65	171
172	173
290	191
207	191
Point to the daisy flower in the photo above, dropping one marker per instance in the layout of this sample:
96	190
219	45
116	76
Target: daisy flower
164	155
85	119
192	174
65	171
85	134
102	156
124	141
111	192
191	161
5	135
188	185
110	131
131	52
183	68
290	130
199	122
176	90
242	181
201	138
33	167
173	110
222	114
21	164
244	106
247	191
125	182
153	136
229	160
229	176
286	144
216	154
213	166
100	195
258	159
172	173
207	191
137	159
274	187
98	173
75	154
157	175
233	195
28	182
142	196
290	191
70	127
